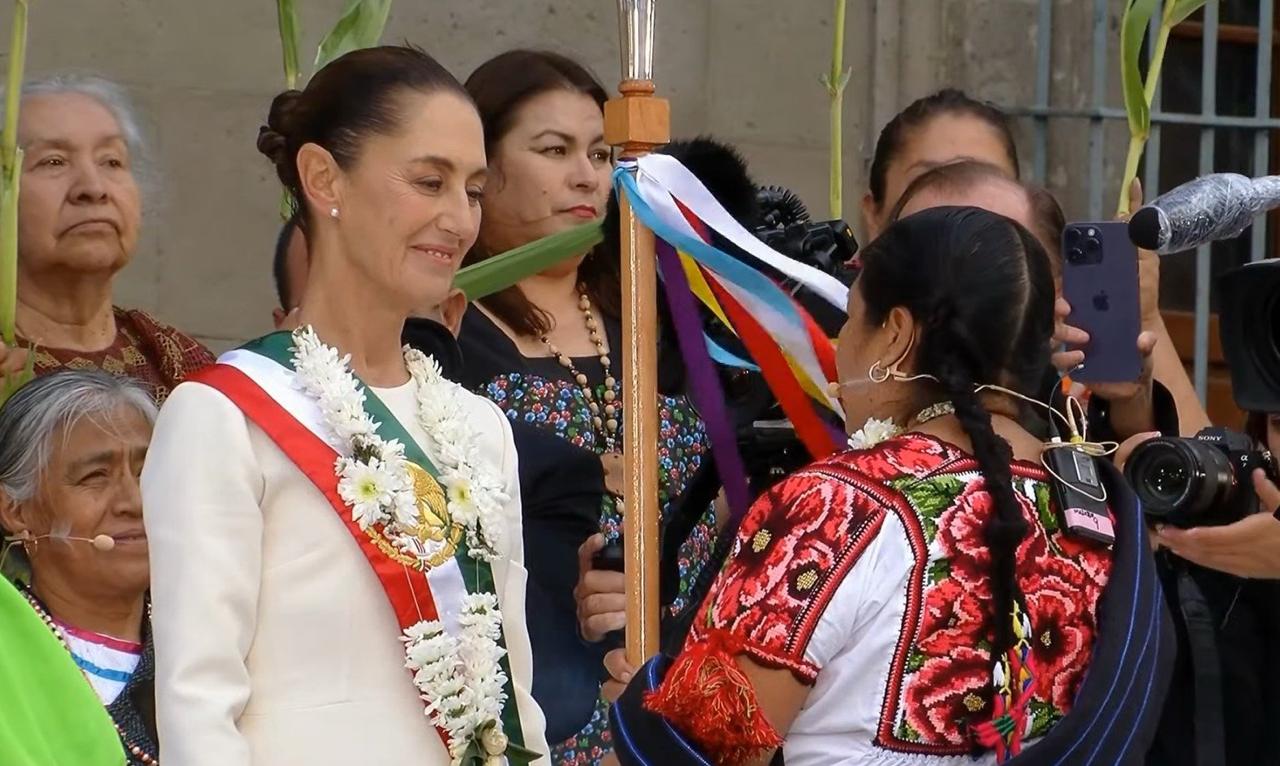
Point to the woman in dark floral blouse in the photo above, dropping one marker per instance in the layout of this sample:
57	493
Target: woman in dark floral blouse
547	350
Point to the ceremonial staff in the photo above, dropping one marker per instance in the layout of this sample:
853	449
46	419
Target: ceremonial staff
636	123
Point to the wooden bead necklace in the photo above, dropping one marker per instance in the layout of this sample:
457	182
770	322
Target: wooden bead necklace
604	419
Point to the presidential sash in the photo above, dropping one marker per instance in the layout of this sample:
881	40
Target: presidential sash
259	379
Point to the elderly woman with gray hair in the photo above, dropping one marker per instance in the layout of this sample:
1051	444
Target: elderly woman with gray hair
78	221
72	445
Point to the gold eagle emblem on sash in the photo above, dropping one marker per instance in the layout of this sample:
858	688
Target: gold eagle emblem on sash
434	539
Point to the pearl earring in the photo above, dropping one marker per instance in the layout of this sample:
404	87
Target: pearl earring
333	212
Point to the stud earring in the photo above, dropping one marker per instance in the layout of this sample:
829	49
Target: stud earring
333	212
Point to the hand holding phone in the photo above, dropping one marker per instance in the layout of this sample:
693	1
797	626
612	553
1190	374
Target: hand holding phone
1100	281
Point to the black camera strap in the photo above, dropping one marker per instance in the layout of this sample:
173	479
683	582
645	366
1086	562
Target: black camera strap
1211	746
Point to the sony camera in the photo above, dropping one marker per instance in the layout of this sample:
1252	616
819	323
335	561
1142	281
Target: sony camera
1204	480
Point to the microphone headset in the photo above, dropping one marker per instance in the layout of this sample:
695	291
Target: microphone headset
102	543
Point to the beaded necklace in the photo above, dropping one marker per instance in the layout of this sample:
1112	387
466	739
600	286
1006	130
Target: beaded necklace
58	633
605	420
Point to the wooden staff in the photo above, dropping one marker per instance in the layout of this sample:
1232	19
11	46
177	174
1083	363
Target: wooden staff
637	122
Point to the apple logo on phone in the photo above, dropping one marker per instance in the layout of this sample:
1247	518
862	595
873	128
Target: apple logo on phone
1101	301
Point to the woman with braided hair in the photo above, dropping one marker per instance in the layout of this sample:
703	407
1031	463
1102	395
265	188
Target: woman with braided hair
917	599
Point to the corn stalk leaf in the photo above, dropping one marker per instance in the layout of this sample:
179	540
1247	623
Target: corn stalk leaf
10	174
1137	16
835	83
1180	10
361	26
287	14
502	271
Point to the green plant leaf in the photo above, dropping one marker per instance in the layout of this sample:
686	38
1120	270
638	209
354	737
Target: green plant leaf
1137	17
287	14
501	271
10	175
361	26
1179	11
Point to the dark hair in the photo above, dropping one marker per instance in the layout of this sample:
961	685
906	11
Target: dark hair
1047	218
279	263
499	87
958	176
978	287
351	98
920	112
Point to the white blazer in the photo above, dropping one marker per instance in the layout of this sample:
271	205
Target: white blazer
275	643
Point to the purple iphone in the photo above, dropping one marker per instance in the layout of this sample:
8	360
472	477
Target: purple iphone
1100	281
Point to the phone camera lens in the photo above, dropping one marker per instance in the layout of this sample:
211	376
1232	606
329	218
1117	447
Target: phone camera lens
1072	237
1075	255
1092	246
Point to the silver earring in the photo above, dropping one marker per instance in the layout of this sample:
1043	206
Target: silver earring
333	212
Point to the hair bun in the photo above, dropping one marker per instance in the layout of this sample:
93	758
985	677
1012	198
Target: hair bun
272	144
273	138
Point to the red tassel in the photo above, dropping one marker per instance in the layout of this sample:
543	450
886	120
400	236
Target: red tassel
708	697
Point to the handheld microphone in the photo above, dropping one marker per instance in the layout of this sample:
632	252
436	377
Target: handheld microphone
101	543
1203	210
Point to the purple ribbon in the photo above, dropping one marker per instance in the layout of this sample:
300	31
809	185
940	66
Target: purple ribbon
704	383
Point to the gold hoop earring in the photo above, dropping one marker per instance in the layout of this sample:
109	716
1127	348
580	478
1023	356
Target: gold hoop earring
878	374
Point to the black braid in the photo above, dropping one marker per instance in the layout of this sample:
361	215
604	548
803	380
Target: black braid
980	293
1006	527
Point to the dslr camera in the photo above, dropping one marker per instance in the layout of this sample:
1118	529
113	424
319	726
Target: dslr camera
1204	480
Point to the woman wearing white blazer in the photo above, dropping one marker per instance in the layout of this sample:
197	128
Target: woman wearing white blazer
335	528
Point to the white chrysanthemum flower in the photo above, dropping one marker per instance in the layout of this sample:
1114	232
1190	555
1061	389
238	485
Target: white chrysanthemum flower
873	432
404	507
367	489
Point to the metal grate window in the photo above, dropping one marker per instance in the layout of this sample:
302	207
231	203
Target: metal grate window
1233	136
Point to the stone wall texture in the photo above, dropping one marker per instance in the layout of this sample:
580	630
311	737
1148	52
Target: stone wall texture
203	73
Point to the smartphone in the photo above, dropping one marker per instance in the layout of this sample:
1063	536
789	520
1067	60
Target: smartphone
1100	281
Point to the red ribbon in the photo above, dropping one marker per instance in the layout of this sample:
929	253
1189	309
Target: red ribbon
777	373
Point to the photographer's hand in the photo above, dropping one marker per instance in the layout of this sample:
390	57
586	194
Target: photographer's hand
600	594
1248	548
1131	401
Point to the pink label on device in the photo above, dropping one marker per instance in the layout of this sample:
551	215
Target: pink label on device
1089	524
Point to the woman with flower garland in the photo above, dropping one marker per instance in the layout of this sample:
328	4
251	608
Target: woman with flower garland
325	509
918	599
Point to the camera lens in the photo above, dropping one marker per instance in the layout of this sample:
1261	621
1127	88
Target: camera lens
1180	480
1072	237
1092	246
1075	255
1167	479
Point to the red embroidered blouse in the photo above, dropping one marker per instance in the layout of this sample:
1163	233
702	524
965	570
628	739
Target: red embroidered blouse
865	574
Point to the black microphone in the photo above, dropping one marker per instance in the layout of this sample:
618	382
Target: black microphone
1203	210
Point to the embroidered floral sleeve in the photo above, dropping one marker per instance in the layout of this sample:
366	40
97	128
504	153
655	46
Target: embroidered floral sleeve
794	549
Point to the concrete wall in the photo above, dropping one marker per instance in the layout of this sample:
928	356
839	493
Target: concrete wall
203	73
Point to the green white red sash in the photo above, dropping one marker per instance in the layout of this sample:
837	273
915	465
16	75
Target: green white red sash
259	379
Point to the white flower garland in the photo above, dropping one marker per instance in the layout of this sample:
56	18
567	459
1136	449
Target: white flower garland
460	677
873	432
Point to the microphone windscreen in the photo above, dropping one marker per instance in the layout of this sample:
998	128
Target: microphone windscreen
103	543
1144	228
